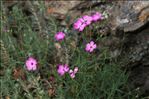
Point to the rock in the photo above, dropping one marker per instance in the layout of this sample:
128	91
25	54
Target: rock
61	7
129	23
130	15
73	9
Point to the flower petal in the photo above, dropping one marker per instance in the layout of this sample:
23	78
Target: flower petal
75	69
72	75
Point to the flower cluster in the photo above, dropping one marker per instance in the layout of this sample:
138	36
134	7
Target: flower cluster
62	69
73	72
86	20
80	24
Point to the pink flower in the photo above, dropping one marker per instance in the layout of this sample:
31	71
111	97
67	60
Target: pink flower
59	36
31	64
87	19
81	28
81	23
97	16
77	24
75	69
72	73
62	69
90	46
66	68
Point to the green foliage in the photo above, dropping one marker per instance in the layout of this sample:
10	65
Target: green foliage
98	77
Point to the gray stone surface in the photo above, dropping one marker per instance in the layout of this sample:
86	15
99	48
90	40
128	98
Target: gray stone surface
130	24
130	15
